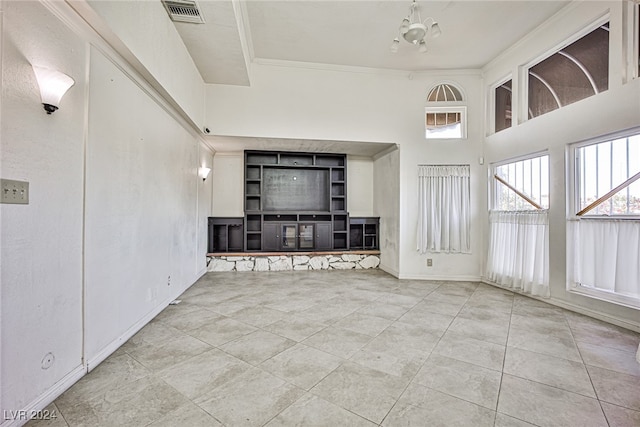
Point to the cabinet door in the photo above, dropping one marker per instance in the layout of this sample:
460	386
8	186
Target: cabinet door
323	236
271	236
289	236
306	240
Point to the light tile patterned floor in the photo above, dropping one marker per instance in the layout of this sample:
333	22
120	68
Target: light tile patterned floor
360	348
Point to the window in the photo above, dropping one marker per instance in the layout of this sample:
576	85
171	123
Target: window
502	98
518	255
522	184
604	229
446	122
637	39
443	209
575	72
604	172
445	118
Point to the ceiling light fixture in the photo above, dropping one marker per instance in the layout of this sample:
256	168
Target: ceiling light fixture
415	31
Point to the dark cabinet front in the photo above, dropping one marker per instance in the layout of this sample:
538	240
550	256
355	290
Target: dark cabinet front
278	236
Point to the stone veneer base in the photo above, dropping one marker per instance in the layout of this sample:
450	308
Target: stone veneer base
290	262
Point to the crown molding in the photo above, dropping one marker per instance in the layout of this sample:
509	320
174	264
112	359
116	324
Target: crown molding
366	70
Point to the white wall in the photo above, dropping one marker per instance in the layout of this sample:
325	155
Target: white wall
146	30
125	177
386	205
228	184
348	106
467	151
300	103
142	208
359	186
616	109
41	245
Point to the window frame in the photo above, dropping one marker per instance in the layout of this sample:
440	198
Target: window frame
523	111
492	106
461	109
635	41
573	199
573	203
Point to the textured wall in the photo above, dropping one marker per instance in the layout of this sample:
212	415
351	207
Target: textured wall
141	206
41	244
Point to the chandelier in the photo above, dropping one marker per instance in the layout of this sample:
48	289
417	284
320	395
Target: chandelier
415	31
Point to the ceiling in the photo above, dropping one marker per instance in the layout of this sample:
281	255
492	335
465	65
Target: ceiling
351	33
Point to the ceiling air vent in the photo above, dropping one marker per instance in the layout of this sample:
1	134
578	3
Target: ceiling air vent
183	11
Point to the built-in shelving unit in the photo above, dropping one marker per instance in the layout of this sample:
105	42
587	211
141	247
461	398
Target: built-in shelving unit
299	196
225	234
294	202
363	233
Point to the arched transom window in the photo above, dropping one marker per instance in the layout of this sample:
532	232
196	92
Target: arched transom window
445	117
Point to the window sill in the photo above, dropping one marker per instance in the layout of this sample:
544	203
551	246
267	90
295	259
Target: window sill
610	297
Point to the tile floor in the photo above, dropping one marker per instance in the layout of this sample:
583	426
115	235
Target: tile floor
360	348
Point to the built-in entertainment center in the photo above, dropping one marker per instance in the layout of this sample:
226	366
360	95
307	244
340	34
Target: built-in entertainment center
293	202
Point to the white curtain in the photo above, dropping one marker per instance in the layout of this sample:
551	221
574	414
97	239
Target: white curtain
605	254
519	250
443	213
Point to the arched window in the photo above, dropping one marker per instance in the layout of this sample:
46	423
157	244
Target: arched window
445	117
573	73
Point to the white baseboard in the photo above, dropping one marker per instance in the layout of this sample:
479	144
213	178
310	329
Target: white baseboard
441	278
576	308
115	344
51	394
45	399
389	270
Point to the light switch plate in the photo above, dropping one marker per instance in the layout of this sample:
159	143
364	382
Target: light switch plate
14	192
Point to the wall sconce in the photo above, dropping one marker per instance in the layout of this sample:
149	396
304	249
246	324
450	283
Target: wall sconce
203	172
53	85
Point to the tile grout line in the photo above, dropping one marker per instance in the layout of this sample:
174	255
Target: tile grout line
504	358
604	414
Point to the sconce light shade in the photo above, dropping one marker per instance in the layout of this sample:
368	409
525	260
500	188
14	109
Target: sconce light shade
204	172
53	85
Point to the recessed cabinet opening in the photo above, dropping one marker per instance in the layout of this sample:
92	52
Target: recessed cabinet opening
294	202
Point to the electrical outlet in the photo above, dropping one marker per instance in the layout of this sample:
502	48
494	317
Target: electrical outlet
14	192
429	262
169	281
47	360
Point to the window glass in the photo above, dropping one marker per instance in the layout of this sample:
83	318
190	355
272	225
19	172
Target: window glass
444	125
602	167
522	185
444	93
502	98
575	72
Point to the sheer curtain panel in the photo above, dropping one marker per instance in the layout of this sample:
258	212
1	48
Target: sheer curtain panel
605	255
518	255
443	212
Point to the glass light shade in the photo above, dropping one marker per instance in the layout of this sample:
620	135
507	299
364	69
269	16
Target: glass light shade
416	33
53	85
204	172
435	30
395	45
422	47
404	27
